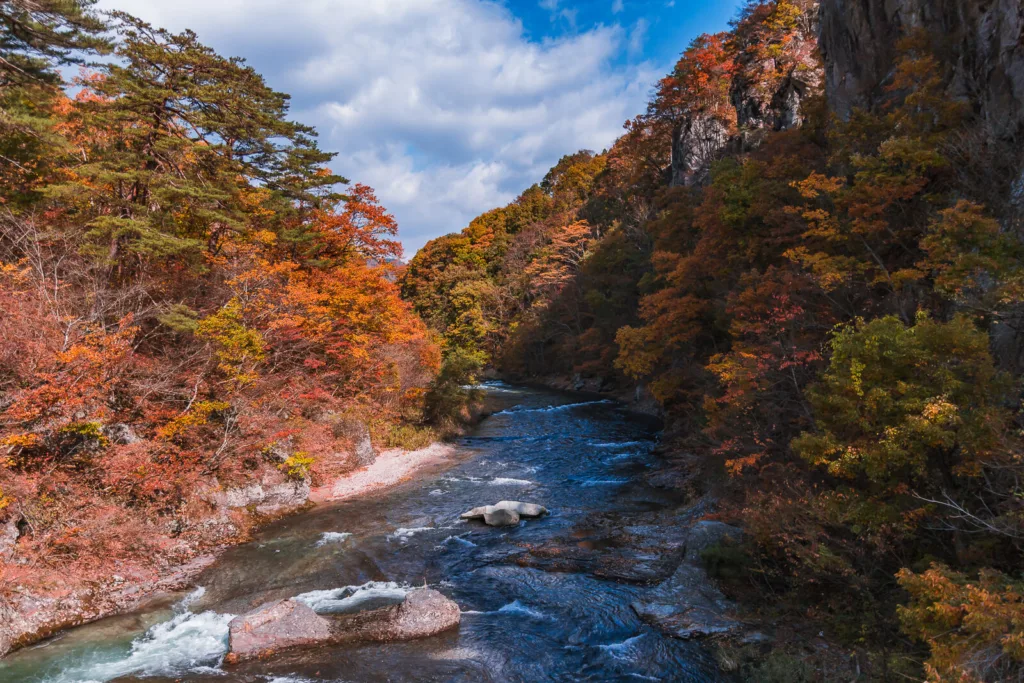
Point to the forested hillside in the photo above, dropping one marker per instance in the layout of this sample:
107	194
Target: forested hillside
809	250
190	301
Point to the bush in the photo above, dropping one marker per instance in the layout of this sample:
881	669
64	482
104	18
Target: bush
298	465
408	437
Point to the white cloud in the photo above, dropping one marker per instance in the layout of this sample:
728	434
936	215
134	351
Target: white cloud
617	6
445	107
637	37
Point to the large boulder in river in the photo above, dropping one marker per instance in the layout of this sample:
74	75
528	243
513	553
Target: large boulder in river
495	516
424	612
274	626
289	623
505	513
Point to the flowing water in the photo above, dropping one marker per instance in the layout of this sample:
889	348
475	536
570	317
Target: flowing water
519	624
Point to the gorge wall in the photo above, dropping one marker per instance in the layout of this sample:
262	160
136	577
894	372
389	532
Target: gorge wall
850	48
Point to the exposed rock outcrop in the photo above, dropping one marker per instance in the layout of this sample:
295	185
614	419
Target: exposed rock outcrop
689	604
121	434
274	626
10	532
698	141
978	42
288	623
273	495
776	67
773	78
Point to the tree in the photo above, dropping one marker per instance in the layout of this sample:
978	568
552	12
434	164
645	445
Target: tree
39	35
904	414
974	627
166	141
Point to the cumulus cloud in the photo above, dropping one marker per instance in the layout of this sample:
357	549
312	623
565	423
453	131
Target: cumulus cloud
446	107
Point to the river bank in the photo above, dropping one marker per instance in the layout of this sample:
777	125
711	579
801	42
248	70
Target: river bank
28	616
584	459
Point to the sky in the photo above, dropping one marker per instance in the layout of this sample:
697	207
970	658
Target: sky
449	108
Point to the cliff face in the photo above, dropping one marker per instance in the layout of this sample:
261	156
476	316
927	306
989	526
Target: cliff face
775	66
850	48
978	41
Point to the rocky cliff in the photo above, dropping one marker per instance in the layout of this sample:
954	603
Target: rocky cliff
775	67
978	43
850	47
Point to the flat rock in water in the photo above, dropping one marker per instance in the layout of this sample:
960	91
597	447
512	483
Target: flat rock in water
476	513
276	625
688	605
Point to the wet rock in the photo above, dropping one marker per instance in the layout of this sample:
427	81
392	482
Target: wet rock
495	516
756	638
275	626
424	612
476	513
288	624
642	548
689	604
522	509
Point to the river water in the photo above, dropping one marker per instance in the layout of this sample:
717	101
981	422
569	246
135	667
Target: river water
578	458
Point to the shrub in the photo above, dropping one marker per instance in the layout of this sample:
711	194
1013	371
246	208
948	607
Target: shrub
298	465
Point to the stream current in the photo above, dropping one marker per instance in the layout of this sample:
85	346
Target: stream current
575	456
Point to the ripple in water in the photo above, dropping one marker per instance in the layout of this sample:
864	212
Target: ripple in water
550	409
332	537
506	481
519	608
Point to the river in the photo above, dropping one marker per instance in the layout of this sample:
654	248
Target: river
577	457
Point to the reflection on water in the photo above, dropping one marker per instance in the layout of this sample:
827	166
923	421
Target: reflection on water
575	457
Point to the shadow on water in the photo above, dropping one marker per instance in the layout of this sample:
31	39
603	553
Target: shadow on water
576	457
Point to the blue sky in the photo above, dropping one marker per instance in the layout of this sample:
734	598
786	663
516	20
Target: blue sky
451	107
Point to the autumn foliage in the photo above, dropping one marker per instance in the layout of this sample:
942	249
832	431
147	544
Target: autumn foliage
191	301
828	313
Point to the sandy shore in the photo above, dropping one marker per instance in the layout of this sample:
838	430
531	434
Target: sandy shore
390	468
